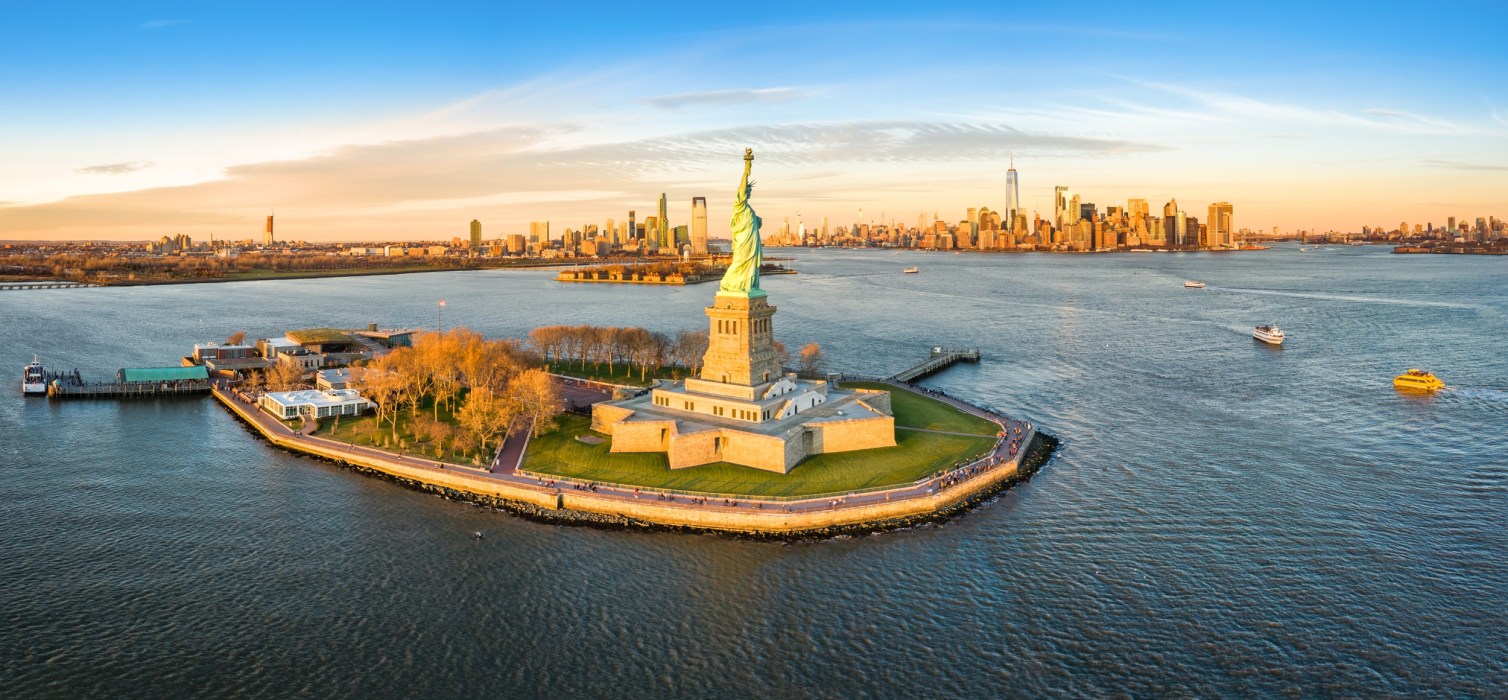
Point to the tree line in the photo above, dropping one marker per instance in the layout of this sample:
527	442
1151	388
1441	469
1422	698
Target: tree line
488	385
642	349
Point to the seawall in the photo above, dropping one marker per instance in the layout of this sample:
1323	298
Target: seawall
526	499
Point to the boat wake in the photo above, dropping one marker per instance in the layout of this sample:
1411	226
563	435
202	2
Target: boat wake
1354	298
1479	394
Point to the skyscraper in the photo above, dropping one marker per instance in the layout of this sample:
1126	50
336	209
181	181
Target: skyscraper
1012	194
1060	198
1219	225
476	235
633	228
267	239
539	231
698	225
1172	223
664	228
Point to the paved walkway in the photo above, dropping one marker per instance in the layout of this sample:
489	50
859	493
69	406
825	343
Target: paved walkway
1015	434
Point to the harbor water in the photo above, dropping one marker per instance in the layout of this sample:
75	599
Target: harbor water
1224	518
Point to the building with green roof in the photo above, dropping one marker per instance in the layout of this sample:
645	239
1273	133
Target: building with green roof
196	373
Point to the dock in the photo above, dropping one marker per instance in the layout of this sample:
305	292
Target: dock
126	390
939	359
151	382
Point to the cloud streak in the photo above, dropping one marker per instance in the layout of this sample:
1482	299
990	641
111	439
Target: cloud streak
1458	165
728	97
424	187
115	168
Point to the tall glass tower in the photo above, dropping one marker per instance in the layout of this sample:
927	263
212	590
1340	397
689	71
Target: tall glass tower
1012	196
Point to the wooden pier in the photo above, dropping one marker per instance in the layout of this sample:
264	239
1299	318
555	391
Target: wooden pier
940	359
125	390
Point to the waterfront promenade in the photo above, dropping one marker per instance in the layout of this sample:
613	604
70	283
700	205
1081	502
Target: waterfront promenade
569	499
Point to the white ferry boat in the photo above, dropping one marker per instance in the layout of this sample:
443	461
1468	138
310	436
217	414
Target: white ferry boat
1270	334
1193	284
911	270
34	378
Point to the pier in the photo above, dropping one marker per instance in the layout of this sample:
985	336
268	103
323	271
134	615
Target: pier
127	390
940	358
134	384
45	284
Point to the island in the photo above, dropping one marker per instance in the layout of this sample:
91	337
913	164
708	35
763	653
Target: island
734	442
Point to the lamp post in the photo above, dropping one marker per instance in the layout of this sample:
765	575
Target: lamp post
439	316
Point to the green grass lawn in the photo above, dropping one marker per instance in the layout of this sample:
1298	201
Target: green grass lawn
913	410
363	431
915	455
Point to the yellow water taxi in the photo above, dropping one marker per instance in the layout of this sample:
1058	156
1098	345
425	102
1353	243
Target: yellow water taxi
1417	380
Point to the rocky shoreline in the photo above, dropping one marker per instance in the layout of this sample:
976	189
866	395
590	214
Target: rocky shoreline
1036	455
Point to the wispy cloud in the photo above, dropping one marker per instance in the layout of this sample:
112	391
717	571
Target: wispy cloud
1410	118
162	23
424	186
1458	165
1220	106
115	168
728	97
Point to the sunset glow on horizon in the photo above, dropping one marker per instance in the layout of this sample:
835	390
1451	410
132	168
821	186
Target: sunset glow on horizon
130	122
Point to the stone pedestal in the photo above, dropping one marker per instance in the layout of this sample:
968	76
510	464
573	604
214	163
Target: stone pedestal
741	341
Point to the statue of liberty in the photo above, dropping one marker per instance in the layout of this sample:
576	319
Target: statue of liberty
742	277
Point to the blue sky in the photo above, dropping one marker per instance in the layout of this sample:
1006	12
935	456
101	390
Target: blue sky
353	121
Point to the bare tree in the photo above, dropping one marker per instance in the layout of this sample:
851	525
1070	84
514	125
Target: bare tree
536	398
284	376
486	415
811	359
236	338
782	354
689	348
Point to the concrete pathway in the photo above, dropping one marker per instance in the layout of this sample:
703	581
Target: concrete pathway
504	468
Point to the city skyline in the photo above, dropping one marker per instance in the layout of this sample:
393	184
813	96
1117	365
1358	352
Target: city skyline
138	122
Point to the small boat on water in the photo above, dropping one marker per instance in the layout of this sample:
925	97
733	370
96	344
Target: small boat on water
1193	284
34	378
1270	334
1417	380
910	271
1303	250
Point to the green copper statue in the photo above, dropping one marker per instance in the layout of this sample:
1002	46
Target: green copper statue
742	277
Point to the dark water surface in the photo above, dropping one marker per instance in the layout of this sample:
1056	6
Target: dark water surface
1223	519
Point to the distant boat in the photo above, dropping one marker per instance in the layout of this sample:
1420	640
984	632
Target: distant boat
34	378
1417	380
1303	250
1270	334
910	271
1193	284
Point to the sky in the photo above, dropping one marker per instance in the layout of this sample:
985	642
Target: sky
387	121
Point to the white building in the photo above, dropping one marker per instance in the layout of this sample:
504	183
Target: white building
272	347
288	405
332	379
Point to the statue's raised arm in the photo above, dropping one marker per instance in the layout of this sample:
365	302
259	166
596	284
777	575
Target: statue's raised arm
742	276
